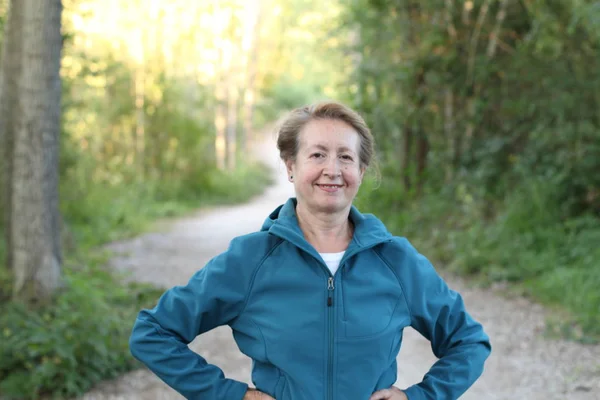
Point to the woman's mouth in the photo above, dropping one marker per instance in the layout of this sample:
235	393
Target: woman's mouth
330	188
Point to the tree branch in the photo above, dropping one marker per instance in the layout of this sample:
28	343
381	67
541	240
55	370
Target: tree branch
492	45
475	40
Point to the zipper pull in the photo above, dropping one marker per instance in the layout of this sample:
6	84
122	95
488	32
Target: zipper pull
330	288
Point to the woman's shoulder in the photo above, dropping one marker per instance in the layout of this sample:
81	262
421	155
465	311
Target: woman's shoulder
407	262
400	244
243	256
399	252
254	245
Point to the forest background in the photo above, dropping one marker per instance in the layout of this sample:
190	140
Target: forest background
486	116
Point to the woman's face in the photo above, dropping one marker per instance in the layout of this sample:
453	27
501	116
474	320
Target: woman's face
326	172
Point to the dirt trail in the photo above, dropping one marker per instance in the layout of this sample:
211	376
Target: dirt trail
523	364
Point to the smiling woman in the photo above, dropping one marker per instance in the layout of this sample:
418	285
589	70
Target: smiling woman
326	149
326	173
319	298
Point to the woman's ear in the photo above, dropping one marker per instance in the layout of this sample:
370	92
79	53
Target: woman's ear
289	166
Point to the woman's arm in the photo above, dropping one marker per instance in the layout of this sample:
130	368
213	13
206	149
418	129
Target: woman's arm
214	296
439	314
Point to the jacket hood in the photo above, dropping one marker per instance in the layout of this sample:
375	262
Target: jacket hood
368	229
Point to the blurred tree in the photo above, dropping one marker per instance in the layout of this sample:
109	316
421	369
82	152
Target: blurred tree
31	76
503	97
251	47
10	74
220	85
462	91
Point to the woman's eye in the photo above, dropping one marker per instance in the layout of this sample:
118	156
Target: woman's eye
347	157
317	155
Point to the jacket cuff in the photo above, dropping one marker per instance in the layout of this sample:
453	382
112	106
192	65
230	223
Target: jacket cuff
415	393
233	390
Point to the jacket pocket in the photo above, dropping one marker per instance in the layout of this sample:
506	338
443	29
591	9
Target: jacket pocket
369	302
280	387
370	323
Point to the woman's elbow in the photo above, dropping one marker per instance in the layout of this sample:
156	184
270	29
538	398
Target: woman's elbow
141	338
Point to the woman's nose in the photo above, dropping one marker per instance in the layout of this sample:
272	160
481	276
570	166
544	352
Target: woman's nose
332	168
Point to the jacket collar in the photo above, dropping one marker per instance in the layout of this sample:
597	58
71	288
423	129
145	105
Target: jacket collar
368	230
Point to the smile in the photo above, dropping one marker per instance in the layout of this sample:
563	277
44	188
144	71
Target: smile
330	188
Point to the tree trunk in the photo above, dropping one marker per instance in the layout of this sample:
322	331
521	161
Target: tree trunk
449	11
471	84
140	99
408	139
458	148
413	130
220	124
232	117
35	231
491	50
422	140
140	119
9	99
422	152
220	119
449	131
466	14
252	51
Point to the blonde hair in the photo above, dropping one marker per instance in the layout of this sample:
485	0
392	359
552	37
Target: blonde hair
297	119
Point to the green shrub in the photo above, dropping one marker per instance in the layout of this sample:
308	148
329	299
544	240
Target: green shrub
572	278
527	240
64	348
228	187
97	213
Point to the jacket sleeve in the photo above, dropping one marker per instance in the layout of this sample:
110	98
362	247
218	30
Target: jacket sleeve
214	296
439	314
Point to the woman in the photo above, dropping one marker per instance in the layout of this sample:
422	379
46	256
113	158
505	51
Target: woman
320	296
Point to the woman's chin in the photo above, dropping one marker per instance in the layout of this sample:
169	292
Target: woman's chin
332	205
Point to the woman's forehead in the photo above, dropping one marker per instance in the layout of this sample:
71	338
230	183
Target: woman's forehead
327	134
328	124
328	146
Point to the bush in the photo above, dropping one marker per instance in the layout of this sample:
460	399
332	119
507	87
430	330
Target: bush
526	240
64	348
100	212
81	338
530	242
226	187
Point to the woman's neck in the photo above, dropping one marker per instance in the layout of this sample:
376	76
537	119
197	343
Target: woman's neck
327	233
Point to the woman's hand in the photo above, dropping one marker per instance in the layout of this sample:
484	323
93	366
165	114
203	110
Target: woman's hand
253	394
392	393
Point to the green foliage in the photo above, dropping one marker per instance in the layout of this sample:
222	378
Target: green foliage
136	146
236	186
6	280
64	348
508	110
99	213
526	243
123	165
284	95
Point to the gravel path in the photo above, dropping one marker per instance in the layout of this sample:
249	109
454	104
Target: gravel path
523	365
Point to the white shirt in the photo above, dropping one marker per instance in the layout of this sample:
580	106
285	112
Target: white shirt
332	260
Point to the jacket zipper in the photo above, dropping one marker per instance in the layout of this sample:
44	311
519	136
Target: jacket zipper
330	289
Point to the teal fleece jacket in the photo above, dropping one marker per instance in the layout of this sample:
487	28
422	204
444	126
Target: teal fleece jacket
312	335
